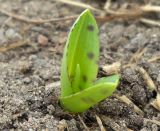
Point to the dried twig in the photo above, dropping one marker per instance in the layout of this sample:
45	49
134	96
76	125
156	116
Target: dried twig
156	102
137	56
35	21
81	120
14	45
153	121
100	123
150	8
41	21
111	123
150	22
118	14
153	59
147	78
112	69
79	4
134	13
107	5
126	100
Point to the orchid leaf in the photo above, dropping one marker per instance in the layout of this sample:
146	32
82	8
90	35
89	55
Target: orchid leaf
80	67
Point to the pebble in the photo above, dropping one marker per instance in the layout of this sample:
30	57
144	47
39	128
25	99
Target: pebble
37	80
12	34
51	109
27	80
24	66
42	40
46	74
32	57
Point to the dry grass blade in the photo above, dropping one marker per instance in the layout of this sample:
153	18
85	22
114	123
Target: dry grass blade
79	4
156	102
111	123
150	8
137	56
147	78
35	21
100	123
112	69
126	100
81	120
153	121
107	4
14	45
153	59
150	22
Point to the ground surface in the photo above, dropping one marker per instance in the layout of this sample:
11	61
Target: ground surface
28	74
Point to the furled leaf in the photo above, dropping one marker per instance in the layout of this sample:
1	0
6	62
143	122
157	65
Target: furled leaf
82	49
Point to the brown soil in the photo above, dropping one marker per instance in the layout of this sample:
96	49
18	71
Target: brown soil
29	74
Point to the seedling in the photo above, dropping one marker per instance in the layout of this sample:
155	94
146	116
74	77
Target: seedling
80	88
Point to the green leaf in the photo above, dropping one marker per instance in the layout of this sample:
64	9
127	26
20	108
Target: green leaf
83	100
82	49
79	88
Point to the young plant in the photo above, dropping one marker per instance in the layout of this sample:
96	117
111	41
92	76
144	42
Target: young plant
80	89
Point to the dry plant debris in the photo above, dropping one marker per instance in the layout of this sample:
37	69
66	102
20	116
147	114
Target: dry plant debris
84	125
147	78
114	68
14	45
154	59
126	100
135	13
110	122
62	125
156	103
100	123
137	56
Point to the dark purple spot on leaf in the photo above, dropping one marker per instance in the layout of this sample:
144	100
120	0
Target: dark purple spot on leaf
80	87
88	100
90	55
90	27
104	91
84	78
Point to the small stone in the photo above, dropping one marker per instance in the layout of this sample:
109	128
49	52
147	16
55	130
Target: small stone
50	109
53	88
46	74
32	57
37	80
9	33
42	40
12	34
62	125
24	66
27	80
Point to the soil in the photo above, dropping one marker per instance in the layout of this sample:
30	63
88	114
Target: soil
30	74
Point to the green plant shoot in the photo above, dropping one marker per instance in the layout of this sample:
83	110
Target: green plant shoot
80	88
